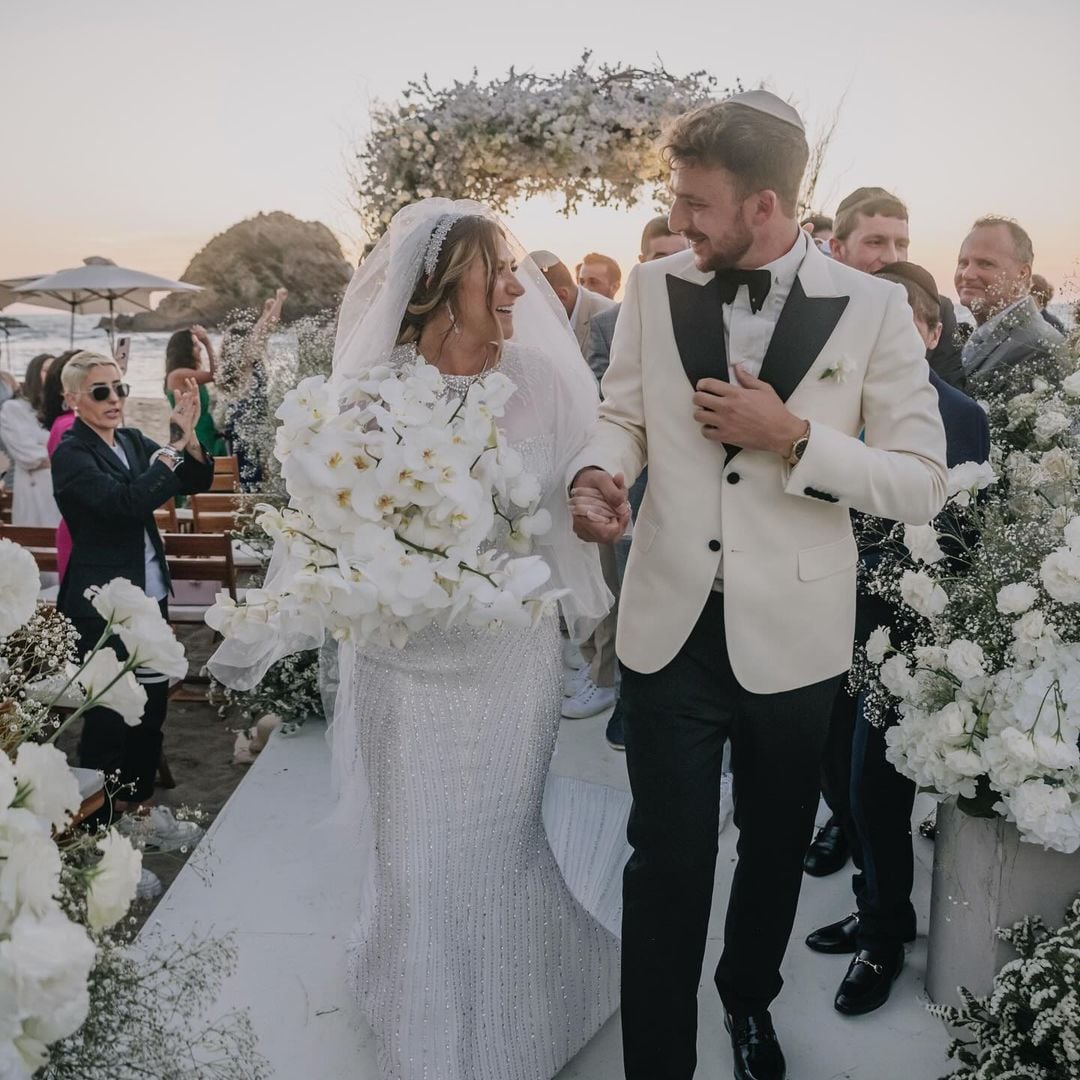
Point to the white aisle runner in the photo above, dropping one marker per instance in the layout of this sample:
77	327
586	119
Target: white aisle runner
266	872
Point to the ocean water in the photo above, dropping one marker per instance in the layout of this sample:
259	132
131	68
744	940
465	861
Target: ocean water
49	333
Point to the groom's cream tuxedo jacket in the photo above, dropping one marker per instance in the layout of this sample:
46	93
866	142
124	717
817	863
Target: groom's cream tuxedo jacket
780	536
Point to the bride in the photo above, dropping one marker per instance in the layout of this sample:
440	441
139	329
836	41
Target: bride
470	957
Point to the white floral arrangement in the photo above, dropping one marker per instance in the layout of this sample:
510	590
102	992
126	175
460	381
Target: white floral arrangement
983	662
54	901
586	133
73	1002
399	493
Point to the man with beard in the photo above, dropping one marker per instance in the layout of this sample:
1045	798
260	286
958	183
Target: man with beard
743	372
1012	342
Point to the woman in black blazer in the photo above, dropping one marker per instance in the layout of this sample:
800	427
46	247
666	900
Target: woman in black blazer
108	481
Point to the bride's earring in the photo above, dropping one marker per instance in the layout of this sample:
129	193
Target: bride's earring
453	321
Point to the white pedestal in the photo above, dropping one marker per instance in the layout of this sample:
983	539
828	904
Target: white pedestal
984	878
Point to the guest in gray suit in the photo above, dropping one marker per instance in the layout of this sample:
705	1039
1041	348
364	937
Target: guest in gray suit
657	241
1012	342
580	305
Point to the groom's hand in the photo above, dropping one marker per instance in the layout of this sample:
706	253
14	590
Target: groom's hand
750	415
598	503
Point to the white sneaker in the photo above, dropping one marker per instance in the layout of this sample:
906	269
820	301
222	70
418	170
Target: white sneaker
574	681
589	700
727	801
149	885
159	830
571	655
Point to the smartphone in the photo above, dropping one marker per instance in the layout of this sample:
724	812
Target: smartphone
122	351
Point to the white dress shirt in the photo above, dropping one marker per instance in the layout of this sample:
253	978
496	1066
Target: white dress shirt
747	335
155	579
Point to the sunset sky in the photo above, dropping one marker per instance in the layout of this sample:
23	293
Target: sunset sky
137	130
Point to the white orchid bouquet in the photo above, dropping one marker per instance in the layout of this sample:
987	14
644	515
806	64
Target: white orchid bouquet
59	891
403	496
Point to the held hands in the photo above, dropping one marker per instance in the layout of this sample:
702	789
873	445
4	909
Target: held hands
750	415
199	333
598	504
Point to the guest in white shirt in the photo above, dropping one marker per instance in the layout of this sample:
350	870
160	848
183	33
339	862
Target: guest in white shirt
25	438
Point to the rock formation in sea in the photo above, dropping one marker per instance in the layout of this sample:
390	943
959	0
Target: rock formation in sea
242	266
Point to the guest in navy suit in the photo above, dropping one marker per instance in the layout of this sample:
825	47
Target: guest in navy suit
870	799
108	481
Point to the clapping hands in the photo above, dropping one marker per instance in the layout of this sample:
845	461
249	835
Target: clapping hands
185	415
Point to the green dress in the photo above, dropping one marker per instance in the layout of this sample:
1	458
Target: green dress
205	431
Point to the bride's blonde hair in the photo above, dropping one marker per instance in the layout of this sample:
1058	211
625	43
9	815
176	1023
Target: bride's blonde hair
469	238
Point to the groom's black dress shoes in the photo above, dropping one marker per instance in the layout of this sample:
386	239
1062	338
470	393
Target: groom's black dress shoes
828	852
869	980
755	1047
837	937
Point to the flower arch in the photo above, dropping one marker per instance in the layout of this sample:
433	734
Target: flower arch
586	134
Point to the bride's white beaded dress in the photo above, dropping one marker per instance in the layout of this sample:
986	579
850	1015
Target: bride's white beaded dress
472	960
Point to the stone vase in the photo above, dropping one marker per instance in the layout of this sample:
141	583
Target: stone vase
986	877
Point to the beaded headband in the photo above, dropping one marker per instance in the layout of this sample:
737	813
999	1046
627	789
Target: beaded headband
438	238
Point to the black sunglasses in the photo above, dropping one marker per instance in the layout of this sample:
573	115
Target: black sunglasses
101	393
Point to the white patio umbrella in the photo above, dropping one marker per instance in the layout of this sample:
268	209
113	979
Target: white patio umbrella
8	295
99	286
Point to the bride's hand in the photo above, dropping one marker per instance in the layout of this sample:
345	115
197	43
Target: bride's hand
598	503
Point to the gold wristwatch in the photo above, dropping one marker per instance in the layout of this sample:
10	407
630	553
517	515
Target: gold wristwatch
798	447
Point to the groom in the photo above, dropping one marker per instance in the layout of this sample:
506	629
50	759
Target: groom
743	371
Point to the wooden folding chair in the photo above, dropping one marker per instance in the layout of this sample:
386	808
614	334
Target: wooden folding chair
217	511
226	474
197	557
165	516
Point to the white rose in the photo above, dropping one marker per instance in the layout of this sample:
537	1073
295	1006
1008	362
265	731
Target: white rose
922	594
1053	752
53	790
1016	599
1071	385
878	645
1050	423
1060	574
51	958
19	585
115	878
896	678
965	659
1072	531
30	874
967	478
922	542
101	679
954	719
122	603
155	646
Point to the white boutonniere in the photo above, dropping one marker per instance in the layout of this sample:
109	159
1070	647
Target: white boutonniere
838	371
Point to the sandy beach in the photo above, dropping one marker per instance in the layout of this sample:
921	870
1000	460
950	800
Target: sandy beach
149	415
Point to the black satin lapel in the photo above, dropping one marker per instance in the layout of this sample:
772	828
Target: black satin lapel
698	321
697	317
805	324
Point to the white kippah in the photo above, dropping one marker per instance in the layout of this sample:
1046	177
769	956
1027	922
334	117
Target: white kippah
769	104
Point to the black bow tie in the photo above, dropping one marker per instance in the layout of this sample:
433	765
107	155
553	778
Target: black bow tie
757	282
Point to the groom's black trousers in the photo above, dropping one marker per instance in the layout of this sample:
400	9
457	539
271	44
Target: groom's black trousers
676	723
